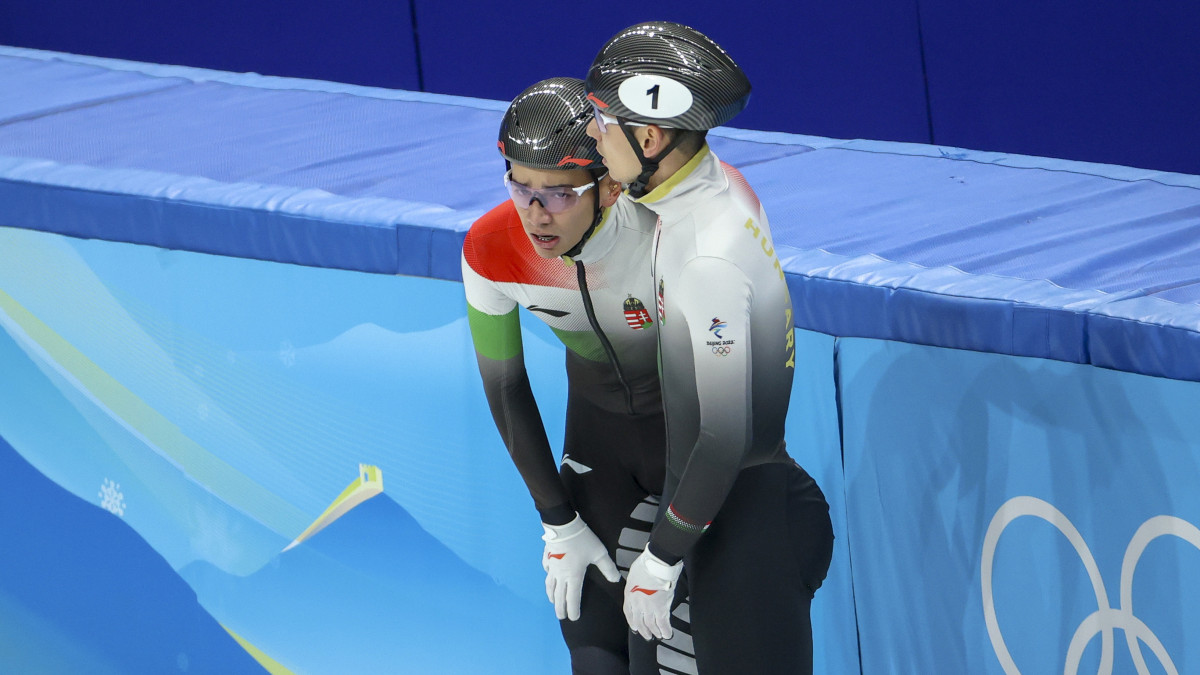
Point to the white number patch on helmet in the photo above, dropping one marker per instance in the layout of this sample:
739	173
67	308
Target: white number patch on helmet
655	96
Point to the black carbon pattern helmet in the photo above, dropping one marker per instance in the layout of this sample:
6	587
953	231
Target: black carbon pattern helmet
545	127
667	74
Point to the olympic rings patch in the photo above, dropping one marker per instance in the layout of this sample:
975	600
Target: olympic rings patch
722	350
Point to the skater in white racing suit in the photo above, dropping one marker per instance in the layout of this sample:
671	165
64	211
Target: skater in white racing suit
750	528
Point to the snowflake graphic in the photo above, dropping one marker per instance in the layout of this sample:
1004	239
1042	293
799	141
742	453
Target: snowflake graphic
111	498
287	354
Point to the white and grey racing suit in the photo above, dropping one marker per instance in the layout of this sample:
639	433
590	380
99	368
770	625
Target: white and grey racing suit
727	353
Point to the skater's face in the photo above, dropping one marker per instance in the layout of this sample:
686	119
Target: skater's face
556	206
614	146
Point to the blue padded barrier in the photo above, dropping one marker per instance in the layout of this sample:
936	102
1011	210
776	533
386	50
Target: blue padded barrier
940	246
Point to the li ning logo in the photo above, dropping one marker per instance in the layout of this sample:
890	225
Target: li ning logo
1106	618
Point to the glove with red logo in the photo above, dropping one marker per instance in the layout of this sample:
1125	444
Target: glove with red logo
569	550
649	590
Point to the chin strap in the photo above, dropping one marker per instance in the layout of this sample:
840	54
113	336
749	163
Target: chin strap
637	188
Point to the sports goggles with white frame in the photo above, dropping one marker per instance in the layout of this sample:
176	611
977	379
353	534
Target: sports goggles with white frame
602	121
553	199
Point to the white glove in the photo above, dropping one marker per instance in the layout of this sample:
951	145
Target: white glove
649	590
569	550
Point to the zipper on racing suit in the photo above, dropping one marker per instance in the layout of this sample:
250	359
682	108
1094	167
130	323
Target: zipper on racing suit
581	275
655	281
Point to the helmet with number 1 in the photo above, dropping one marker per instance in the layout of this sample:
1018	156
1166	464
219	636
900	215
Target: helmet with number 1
667	74
545	127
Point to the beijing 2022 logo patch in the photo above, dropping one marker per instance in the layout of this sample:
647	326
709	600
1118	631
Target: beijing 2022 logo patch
720	346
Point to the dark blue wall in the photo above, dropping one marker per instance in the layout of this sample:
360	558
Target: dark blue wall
363	42
1114	81
1096	80
848	69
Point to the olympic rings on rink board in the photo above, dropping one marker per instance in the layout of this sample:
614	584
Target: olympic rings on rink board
722	350
1105	618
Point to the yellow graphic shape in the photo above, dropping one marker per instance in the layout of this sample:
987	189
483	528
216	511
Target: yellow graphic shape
273	667
368	484
146	423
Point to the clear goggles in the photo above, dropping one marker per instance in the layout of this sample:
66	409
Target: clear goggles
553	199
602	120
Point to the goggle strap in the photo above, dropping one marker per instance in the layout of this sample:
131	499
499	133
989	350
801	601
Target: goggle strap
597	212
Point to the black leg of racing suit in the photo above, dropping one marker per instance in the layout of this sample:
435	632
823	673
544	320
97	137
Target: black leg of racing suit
615	469
753	574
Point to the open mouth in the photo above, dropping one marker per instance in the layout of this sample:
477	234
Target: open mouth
544	240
